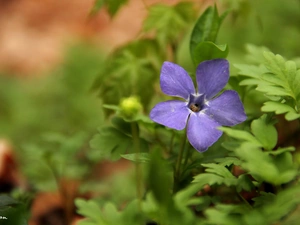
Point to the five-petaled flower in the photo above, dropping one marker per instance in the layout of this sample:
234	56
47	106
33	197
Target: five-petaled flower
202	111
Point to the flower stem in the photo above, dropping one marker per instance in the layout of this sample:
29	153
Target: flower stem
244	200
138	171
187	156
178	163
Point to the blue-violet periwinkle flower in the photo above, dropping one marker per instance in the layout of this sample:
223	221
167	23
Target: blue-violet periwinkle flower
203	110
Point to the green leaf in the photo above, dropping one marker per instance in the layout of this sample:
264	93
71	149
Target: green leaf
109	143
244	183
112	6
264	198
208	50
252	71
204	34
285	71
122	78
160	183
225	214
280	108
206	28
264	130
263	167
281	150
137	157
109	214
169	21
91	210
240	135
272	208
218	169
207	178
219	174
112	107
12	212
227	161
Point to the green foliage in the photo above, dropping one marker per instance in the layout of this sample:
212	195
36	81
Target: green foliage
204	35
108	215
279	80
112	6
277	169
248	177
12	212
114	142
169	22
217	174
48	167
109	143
264	130
269	209
130	71
160	183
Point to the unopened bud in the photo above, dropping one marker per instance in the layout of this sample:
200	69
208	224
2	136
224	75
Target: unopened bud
130	107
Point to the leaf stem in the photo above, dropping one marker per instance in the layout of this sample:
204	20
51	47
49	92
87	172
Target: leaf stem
138	171
179	162
187	156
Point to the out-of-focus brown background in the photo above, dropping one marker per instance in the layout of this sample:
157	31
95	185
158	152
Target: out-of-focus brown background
34	33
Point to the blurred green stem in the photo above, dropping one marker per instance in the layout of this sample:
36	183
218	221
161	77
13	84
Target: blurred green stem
178	163
138	171
187	156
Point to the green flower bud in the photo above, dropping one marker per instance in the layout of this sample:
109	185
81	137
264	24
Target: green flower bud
130	107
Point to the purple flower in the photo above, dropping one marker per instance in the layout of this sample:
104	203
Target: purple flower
202	110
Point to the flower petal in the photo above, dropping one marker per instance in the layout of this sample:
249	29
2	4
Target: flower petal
172	114
202	131
212	76
175	81
227	109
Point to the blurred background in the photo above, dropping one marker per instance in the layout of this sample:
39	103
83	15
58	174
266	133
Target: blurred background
51	53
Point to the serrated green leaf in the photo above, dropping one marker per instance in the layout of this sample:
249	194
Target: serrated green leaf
221	215
227	161
109	143
208	50
122	78
280	108
111	213
263	167
168	21
286	71
265	132
217	169
240	135
272	90
251	70
207	178
90	210
273	208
